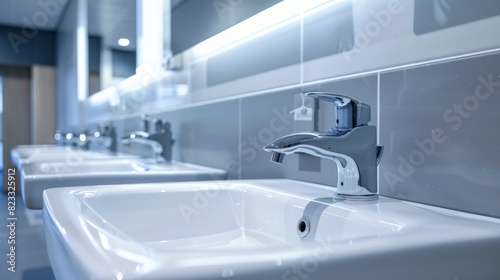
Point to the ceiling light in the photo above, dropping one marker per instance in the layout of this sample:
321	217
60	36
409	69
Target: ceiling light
123	42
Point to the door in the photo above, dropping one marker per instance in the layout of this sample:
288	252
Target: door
16	116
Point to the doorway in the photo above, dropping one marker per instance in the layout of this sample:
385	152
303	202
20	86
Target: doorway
1	130
16	115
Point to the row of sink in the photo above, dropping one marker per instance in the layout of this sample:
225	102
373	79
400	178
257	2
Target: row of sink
110	215
56	166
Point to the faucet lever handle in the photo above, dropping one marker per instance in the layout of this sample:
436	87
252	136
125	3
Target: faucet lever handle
150	124
349	112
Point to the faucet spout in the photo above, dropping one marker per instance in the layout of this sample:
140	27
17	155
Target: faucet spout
277	157
159	141
354	153
135	135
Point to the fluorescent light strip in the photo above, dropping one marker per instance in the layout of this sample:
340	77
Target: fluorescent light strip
144	76
275	17
103	96
82	51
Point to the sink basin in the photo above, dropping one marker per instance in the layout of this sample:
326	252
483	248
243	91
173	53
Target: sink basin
22	152
25	154
38	176
259	229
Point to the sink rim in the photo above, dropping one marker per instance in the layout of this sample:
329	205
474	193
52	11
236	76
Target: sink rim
152	167
33	183
37	155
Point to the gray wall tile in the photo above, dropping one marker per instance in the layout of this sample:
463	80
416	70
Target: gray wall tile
266	81
263	119
440	126
271	51
206	135
436	15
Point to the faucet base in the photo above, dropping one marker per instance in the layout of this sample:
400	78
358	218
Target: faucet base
347	197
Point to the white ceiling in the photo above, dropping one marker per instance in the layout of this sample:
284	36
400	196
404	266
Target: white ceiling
110	19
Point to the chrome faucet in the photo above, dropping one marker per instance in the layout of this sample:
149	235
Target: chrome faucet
104	137
59	138
159	139
351	144
79	140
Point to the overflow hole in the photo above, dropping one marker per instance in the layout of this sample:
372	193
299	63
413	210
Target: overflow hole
302	226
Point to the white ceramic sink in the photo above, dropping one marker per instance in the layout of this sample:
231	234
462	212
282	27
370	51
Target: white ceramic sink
25	154
38	176
258	229
22	152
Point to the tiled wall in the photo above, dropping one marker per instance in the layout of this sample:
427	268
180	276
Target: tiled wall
441	126
434	97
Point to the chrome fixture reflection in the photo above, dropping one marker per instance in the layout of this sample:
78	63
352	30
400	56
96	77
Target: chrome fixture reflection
59	138
156	139
104	137
351	143
77	140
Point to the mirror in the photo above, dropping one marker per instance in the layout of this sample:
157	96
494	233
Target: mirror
194	21
190	21
111	43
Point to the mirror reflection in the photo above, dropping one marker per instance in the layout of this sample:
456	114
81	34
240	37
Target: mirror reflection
112	42
112	29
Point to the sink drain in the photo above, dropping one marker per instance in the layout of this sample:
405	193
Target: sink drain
303	227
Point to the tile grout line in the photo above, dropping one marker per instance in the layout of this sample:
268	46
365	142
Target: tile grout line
378	127
378	107
239	138
301	44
